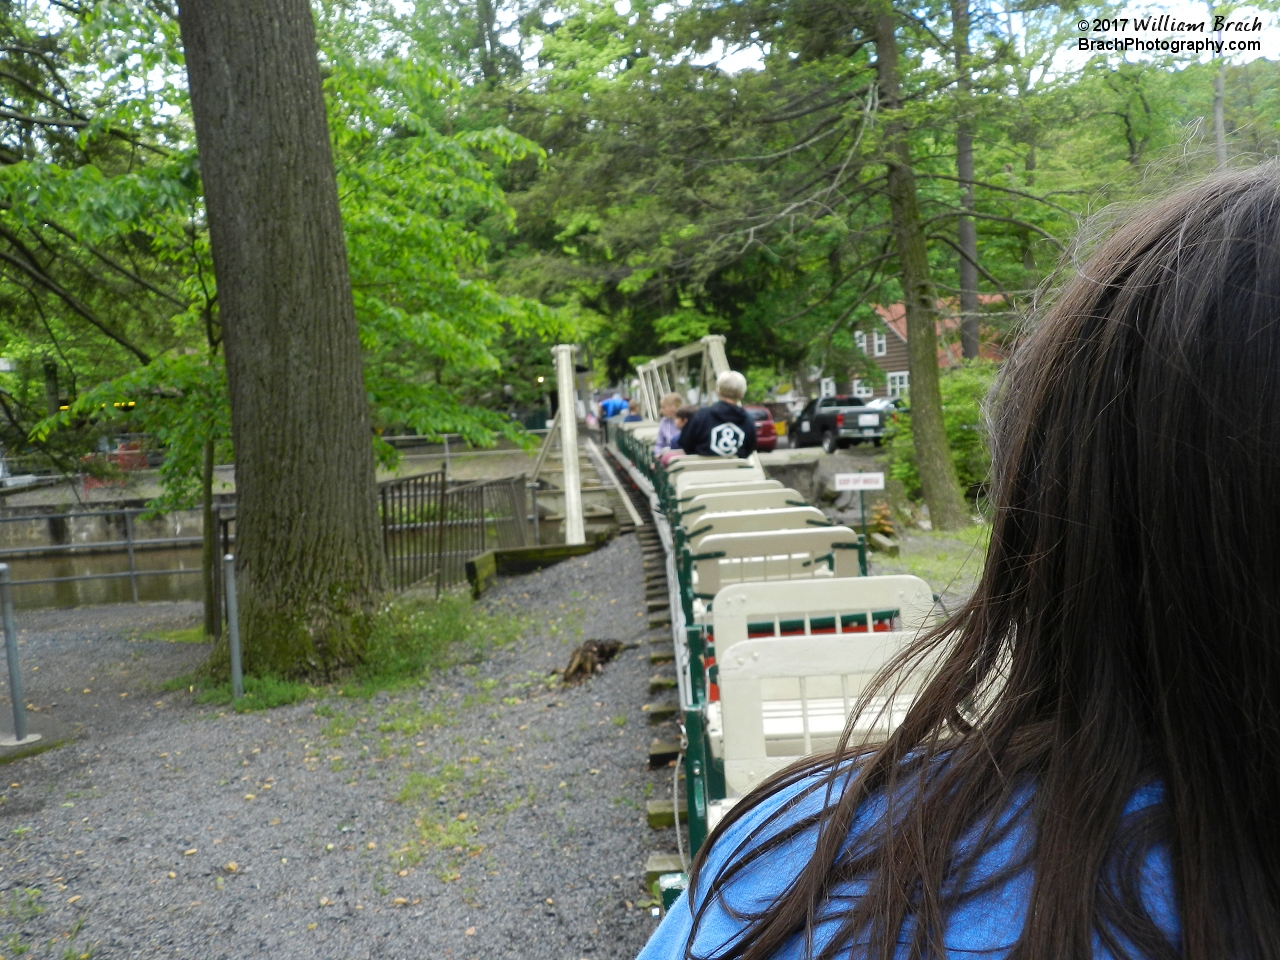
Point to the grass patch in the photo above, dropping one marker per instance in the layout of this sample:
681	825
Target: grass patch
419	787
950	560
23	904
37	748
416	634
260	693
183	681
413	636
185	635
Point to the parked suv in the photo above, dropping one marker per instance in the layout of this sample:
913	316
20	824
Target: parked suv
766	432
839	421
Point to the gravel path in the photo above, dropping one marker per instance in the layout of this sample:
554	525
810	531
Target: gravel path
87	671
485	814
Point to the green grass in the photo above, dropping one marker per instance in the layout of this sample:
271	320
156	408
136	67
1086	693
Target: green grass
22	904
37	748
260	693
414	635
949	561
185	635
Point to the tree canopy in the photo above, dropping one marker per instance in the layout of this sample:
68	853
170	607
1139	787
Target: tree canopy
632	175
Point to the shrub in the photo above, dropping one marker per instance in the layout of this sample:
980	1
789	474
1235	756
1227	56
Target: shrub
964	390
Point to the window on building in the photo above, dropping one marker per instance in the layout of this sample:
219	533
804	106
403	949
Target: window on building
860	340
880	344
827	387
898	383
862	391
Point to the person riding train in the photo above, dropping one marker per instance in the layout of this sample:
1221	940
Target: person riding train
723	429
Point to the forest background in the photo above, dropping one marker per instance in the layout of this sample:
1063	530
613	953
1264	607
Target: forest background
629	175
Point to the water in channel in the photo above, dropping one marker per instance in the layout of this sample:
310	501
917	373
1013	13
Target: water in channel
175	575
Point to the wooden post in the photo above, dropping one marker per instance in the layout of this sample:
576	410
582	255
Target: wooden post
574	529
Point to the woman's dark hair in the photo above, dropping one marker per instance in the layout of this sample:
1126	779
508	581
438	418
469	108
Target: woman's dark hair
686	412
1125	631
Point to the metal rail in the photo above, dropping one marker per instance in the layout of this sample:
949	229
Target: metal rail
431	528
129	545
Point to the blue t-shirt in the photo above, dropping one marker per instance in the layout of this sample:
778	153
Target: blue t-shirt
986	925
612	406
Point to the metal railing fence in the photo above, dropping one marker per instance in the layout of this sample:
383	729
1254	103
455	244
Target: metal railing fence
410	510
124	518
431	528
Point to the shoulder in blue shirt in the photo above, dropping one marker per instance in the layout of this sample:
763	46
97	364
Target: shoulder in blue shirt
986	925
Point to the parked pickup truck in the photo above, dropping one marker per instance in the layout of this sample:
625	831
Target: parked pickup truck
839	421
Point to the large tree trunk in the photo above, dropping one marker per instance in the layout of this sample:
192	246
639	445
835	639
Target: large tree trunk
308	546
209	546
933	454
967	232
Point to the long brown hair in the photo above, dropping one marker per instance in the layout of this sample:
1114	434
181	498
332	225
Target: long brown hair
1125	632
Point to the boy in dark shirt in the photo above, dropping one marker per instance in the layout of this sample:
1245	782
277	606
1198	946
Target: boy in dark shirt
723	429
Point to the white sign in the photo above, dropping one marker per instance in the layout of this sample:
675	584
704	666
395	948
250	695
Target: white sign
868	419
859	481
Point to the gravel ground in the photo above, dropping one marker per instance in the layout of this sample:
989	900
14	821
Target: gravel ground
92	669
486	814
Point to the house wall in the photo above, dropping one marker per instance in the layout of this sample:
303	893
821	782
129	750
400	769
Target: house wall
894	361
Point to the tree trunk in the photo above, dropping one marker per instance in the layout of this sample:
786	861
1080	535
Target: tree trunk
209	547
967	232
933	454
52	393
1028	251
1219	121
309	554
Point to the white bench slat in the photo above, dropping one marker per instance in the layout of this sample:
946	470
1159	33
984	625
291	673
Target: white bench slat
739	605
769	717
773	555
687	480
701	526
687	464
733	486
726	502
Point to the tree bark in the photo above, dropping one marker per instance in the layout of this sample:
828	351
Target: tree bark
309	555
937	471
1028	251
967	232
52	393
209	546
1219	120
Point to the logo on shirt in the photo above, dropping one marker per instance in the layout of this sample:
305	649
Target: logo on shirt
727	439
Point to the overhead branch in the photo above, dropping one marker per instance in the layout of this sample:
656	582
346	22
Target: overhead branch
980	268
32	270
35	91
991	216
118	267
42	121
833	102
995	186
821	132
871	286
849	275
